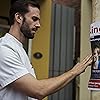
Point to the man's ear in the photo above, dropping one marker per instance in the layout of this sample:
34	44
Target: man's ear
18	18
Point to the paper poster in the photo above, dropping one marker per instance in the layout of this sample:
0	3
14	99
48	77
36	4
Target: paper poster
94	82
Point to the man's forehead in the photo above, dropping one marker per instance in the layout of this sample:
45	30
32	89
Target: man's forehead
34	11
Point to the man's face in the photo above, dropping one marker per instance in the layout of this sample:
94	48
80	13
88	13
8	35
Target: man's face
31	22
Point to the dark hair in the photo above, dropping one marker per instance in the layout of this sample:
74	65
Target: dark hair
22	8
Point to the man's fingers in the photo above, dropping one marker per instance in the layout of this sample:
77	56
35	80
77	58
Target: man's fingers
89	62
87	58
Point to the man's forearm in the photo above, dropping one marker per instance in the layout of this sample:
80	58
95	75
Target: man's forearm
57	83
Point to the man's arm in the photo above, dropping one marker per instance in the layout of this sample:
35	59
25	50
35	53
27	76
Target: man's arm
42	88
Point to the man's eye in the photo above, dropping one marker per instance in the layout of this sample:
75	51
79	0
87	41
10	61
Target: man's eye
35	18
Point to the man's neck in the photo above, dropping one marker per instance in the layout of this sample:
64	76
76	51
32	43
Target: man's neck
14	31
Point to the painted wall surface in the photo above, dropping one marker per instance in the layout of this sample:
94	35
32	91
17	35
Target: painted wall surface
41	42
85	48
96	10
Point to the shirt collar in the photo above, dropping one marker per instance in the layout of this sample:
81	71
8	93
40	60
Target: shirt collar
8	35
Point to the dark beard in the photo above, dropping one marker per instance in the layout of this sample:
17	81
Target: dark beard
26	30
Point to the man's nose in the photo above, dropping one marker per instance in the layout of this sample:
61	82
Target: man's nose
38	24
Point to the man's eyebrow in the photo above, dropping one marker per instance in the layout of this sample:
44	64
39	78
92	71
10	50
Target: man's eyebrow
35	17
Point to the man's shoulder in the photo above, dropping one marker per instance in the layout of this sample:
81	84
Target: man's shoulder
8	42
7	46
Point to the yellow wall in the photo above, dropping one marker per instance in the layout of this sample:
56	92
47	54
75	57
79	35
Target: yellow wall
41	42
84	93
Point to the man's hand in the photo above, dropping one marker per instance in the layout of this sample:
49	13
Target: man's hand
80	67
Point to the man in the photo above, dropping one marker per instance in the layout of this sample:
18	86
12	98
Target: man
17	77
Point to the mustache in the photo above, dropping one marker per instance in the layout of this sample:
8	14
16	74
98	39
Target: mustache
34	29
